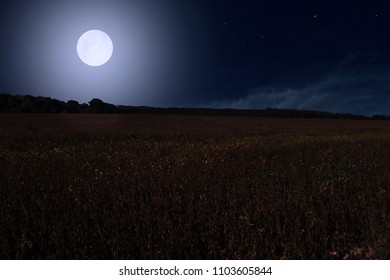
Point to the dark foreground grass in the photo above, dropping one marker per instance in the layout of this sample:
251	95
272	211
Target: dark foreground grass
69	193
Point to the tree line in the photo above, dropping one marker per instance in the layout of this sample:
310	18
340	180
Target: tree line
38	104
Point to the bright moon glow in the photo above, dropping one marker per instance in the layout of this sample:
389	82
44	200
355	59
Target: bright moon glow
95	48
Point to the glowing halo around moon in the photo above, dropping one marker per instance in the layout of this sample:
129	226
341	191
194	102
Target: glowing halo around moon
95	48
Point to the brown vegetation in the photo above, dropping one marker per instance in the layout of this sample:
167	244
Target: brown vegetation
182	187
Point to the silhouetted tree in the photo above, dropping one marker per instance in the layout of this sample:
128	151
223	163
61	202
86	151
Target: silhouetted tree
4	102
72	106
96	106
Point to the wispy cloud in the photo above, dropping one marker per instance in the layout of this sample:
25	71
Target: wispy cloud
359	84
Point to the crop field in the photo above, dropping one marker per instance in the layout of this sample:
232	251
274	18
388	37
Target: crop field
186	187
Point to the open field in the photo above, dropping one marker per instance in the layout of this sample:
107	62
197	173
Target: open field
182	187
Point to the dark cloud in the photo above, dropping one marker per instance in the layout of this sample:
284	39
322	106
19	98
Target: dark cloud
359	84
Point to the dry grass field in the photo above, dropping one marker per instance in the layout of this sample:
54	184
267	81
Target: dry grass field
184	187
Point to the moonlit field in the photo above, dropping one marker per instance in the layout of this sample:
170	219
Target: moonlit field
194	130
185	187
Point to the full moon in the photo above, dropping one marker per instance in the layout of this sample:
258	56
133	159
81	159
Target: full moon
95	48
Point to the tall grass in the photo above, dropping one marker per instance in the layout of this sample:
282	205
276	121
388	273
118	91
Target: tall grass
209	195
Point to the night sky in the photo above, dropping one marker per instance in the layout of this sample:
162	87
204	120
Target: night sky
317	55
